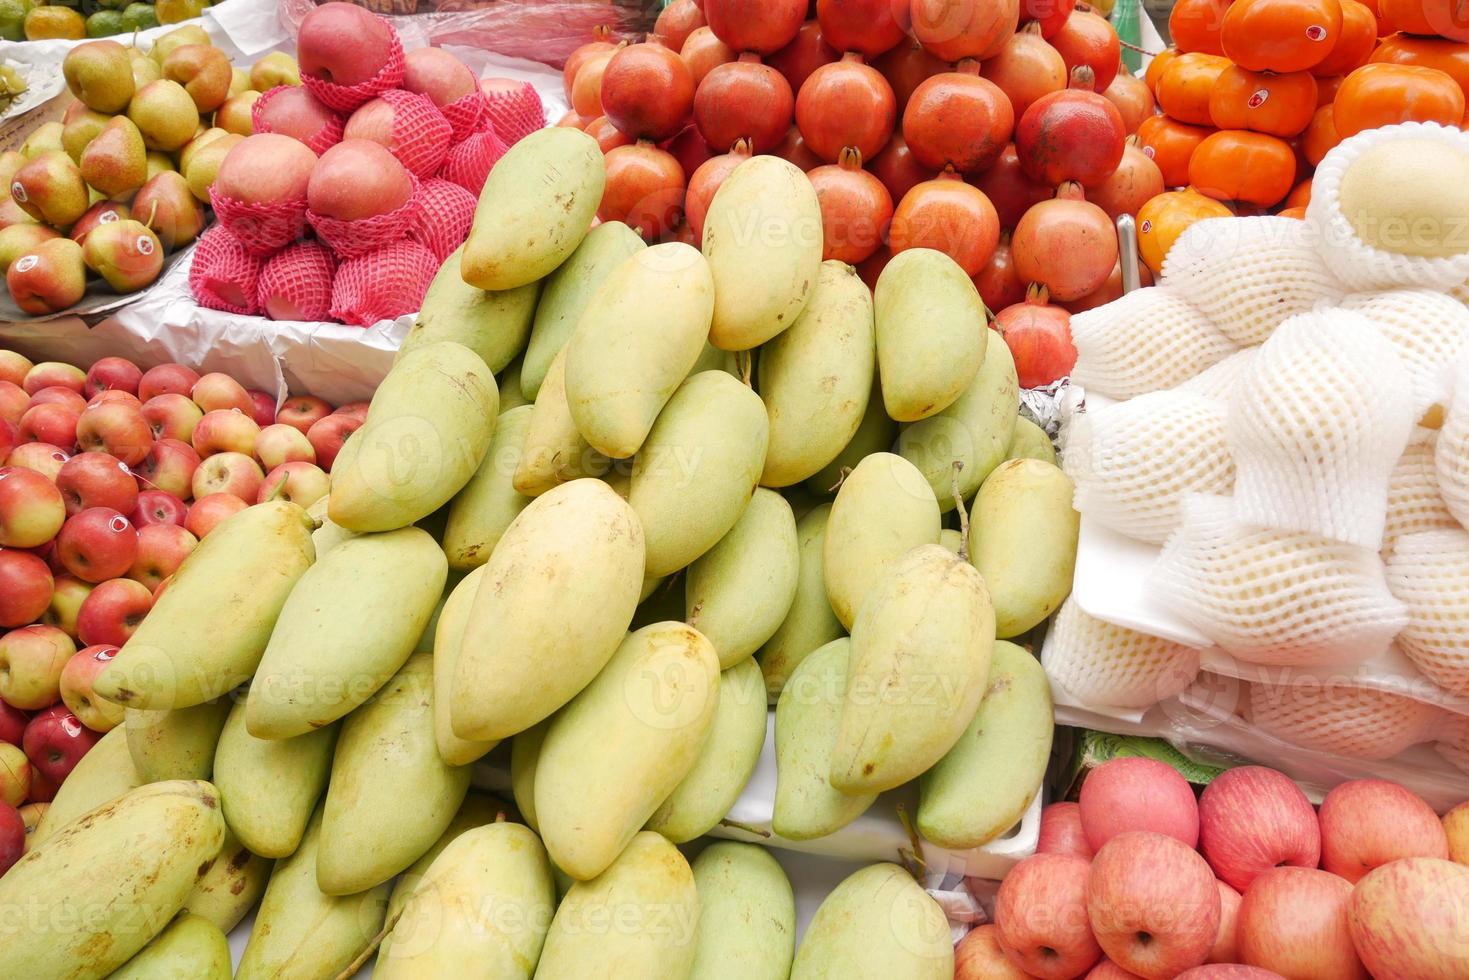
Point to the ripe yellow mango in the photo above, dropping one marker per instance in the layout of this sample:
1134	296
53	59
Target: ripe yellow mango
554	451
525	753
924	370
509	385
876	433
448	637
747	914
191	948
477	810
480	513
810	623
1031	442
103	775
231	886
876	925
1022	538
495	325
176	744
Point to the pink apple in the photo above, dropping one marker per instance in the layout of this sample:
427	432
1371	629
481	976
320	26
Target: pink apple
172	416
117	429
1366	823
13	402
281	443
302	412
113	611
299	483
95	479
115	397
1129	794
217	392
264	413
38	457
14	366
15	775
979	956
167	379
31	659
1294	921
98	714
48	373
162	548
1042	916
169	467
98	544
1152	903
1107	970
208	511
328	435
1228	971
358	410
9	438
1225	948
1061	831
55	742
158	507
31	508
1456	829
43	787
112	374
233	473
25	587
50	422
57	395
1252	819
343	43
67	597
12	723
159	591
1407	920
228	431
437	74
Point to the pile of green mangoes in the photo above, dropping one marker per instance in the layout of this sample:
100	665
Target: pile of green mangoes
674	506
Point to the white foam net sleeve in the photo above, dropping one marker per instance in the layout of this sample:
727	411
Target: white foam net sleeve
1362	267
1249	274
1148	340
1219	380
1101	664
1427	329
1341	718
1132	462
1413	501
1274	597
1316	424
1451	455
1460	292
1429	573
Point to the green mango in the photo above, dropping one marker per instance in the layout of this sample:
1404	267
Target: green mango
509	385
231	886
925	371
351	622
176	744
1022	538
554	451
191	948
327	535
739	591
876	433
1031	442
495	325
206	632
477	810
747	914
455	751
952	540
987	781
726	762
101	776
617	751
525	753
810	623
480	513
876	925
638	918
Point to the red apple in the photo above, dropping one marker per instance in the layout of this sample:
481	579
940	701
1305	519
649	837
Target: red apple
97	544
299	483
1294	921
43	789
55	742
1225	948
172	416
112	374
169	467
1152	903
1042	916
50	422
233	473
1366	823
208	511
358	410
328	435
48	373
216	392
57	395
437	74
77	679
9	438
12	723
1130	794
167	379
14	366
979	956
31	660
343	43
67	597
95	479
1407	920
117	429
264	413
228	431
1252	819
12	837
13	402
115	397
1228	971
1061	831
302	412
1456	829
1107	970
113	611
39	457
280	443
25	587
162	548
15	775
158	507
31	508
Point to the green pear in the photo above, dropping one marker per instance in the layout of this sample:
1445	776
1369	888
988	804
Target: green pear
10	162
17	240
276	68
204	164
235	115
50	189
125	253
145	69
116	162
239	81
166	205
100	73
192	34
159	163
79	128
48	278
165	114
204	72
43	138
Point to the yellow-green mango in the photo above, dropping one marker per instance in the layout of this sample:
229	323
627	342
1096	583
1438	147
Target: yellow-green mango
931	330
101	776
327	535
448	637
953	541
427	429
270	786
810	623
176	744
976	430
554	451
353	619
555	600
509	384
807	806
704	797
390	796
567	292
918	668
205	634
739	591
876	433
636	341
762	236
535	209
747	914
1022	538
1031	442
816	377
884	508
876	925
698	468
191	948
617	751
639	918
425	642
231	886
138	857
477	810
992	774
714	359
302	933
480	912
525	753
494	325
480	513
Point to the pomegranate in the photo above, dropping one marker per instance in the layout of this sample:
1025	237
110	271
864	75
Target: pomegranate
906	67
703	52
579	57
1039	338
681	232
586	91
872	268
1133	99
958	119
744	100
1109	291
761	26
808	52
677	21
1086	39
855	209
1071	135
948	215
869	27
793	149
998	283
1066	244
1009	189
1049	14
1026	68
957	29
897	169
1135	182
846	104
706	181
647	91
608	136
645	189
576	120
689	149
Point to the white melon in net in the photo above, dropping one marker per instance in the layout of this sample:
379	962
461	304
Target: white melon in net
1219	381
1098	663
1273	597
1316	424
1429	572
1148	340
1249	274
1341	718
1132	462
1451	454
1427	329
1413	501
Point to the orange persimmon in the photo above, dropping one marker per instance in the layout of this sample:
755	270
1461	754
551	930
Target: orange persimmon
1169	215
1300	195
1326	88
1171	144
1441	18
1320	138
1183	91
1237	165
1280	35
1378	95
1157	66
1355	42
1281	105
1449	57
1194	25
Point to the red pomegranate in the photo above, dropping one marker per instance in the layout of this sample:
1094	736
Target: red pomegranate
1009	189
948	215
846	104
744	100
1109	291
703	52
957	29
645	189
1066	244
1071	135
677	21
1039	338
808	52
855	209
872	268
1026	68
647	91
896	167
958	120
1049	14
689	149
1135	182
869	27
706	181
906	67
1087	39
761	26
998	283
579	57
608	136
586	90
1133	99
575	120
